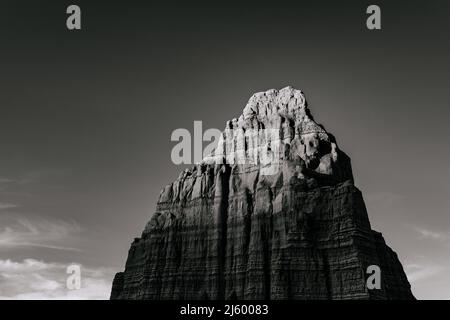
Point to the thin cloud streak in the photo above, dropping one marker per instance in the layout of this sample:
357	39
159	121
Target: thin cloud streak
432	235
5	205
40	233
4	182
418	272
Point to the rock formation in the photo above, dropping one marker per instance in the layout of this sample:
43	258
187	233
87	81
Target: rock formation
272	214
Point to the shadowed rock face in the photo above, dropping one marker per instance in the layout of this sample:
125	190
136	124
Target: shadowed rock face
272	214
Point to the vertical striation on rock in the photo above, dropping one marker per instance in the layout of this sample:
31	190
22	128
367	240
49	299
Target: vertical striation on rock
273	213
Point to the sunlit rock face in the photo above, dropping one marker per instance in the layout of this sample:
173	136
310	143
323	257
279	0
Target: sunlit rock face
272	213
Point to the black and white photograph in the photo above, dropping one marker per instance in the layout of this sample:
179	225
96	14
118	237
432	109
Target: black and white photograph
242	152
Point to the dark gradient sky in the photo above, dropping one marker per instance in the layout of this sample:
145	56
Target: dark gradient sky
86	116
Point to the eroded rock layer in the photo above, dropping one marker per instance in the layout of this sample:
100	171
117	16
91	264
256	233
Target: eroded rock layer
272	214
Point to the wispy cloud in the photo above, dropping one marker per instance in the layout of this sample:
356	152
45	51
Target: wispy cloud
38	280
432	235
4	182
23	232
418	272
27	180
40	176
385	198
5	205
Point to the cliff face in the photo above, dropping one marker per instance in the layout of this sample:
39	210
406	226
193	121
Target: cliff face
272	214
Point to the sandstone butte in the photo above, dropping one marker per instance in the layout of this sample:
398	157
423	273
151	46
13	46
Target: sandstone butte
296	228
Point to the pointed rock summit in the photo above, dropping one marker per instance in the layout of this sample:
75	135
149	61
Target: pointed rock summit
272	213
